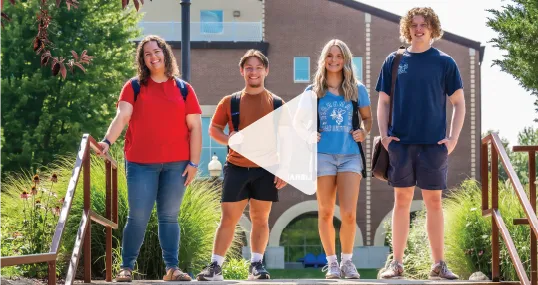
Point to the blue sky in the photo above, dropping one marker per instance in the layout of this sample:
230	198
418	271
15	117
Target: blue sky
506	106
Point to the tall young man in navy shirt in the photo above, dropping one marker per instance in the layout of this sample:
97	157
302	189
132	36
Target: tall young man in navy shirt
417	140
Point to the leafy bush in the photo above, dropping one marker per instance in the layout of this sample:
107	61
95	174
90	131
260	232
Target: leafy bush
235	269
468	235
199	218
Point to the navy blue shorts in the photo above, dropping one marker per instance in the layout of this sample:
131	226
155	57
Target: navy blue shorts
422	165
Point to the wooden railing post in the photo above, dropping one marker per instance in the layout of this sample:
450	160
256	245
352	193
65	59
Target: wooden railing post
532	190
87	208
495	250
108	215
484	175
52	272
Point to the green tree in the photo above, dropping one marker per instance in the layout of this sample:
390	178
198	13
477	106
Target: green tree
520	160
44	115
517	28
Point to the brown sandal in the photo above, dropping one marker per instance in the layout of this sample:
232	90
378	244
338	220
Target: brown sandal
125	275
175	274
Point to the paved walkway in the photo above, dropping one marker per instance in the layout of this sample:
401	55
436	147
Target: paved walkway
321	282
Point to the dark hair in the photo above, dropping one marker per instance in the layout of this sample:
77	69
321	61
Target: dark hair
254	53
170	63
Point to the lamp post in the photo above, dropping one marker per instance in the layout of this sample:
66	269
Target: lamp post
214	167
186	39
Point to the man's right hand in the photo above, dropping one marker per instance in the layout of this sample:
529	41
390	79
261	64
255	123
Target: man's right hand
387	140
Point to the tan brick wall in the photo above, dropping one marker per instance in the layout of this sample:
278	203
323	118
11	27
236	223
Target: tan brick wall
301	28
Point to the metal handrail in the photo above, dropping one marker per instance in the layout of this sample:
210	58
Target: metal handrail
110	222
497	225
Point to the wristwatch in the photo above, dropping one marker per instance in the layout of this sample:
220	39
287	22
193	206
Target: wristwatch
105	140
193	164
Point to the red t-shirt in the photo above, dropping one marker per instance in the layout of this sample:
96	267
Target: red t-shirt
158	131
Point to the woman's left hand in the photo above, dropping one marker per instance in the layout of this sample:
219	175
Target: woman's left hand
359	135
190	171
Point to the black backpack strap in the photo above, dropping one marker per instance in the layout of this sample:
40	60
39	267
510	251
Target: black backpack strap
234	110
355	122
135	83
277	102
182	85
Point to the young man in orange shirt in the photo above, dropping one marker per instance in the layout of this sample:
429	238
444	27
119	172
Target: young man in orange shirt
244	181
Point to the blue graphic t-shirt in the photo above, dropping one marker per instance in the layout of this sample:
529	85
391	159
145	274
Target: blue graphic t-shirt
424	81
335	116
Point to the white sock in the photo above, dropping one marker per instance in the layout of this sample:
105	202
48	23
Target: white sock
256	257
346	256
219	259
332	258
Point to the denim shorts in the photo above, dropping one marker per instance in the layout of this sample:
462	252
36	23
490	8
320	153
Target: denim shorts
422	165
331	164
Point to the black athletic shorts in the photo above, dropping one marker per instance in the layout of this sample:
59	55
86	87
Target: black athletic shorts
242	183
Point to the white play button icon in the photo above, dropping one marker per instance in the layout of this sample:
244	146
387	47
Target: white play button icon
284	142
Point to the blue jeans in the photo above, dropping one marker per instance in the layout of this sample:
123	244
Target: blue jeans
147	184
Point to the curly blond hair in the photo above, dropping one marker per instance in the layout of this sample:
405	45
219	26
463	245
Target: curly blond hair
430	17
170	63
350	82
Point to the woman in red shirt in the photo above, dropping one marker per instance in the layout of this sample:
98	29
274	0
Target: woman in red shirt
162	151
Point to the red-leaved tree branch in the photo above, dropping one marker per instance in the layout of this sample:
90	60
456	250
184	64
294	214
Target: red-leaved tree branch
42	45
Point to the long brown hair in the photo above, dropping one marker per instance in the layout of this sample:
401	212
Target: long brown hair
170	63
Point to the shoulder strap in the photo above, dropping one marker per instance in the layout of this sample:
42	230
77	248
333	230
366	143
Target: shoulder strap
395	64
135	83
277	102
182	88
234	110
355	123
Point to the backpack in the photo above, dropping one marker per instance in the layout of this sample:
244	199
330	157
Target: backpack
181	85
234	108
356	124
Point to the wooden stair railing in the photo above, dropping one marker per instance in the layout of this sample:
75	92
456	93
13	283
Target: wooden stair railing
497	223
84	234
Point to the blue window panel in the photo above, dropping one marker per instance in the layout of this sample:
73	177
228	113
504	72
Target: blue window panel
211	21
301	69
357	67
210	147
206	121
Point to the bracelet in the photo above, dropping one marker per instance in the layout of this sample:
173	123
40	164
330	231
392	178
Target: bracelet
105	140
193	164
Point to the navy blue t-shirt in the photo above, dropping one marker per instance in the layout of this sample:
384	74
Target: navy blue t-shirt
423	84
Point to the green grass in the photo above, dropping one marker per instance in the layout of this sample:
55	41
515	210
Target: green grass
314	273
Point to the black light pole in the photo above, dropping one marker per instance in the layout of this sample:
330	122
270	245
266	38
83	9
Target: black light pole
186	39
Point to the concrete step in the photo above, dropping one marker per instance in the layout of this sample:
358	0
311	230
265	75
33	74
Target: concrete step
322	282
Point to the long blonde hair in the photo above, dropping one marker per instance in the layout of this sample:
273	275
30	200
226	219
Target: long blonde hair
350	82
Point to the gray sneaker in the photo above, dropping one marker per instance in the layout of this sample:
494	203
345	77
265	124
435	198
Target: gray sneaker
348	270
333	270
440	271
394	270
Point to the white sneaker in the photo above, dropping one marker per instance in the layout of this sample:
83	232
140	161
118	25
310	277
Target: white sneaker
348	270
333	270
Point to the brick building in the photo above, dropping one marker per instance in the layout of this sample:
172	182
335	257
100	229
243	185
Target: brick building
292	33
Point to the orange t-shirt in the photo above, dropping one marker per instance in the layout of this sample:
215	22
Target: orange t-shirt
252	107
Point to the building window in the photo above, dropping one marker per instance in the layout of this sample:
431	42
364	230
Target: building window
357	67
211	21
301	69
209	148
